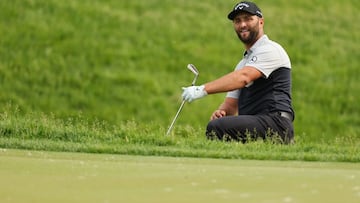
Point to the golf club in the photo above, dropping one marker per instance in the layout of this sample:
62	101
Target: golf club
193	69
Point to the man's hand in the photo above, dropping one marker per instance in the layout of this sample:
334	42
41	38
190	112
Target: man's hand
193	92
218	114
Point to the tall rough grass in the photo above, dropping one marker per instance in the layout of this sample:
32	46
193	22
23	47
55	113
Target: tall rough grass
46	132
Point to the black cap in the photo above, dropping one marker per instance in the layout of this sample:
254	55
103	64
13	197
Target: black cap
245	6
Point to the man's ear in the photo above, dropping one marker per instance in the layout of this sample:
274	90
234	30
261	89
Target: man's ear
261	21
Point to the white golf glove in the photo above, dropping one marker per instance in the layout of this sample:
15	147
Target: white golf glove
193	92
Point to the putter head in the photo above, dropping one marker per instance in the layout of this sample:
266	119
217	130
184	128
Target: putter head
193	69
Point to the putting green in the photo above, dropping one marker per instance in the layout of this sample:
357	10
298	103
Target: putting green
32	176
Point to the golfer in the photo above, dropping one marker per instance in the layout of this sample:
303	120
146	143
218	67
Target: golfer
258	100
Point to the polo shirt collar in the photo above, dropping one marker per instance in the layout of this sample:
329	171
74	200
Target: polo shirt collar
258	43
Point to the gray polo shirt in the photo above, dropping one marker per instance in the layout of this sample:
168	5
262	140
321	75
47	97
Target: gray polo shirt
272	92
266	56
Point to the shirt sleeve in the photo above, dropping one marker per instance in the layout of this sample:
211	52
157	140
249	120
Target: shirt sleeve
233	94
267	59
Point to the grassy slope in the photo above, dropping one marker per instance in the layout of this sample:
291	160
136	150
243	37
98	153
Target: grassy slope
125	60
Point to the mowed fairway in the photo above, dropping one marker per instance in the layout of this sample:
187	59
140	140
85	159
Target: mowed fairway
32	176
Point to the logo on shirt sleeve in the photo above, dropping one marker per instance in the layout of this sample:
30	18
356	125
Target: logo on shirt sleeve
253	59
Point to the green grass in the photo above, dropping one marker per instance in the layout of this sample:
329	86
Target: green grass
33	176
106	76
41	132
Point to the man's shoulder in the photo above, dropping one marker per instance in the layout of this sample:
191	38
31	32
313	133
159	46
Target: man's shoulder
268	46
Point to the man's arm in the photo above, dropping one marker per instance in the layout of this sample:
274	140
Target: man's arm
227	108
234	80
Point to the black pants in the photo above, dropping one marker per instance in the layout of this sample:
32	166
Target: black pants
251	127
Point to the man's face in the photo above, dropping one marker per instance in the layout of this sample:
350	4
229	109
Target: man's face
248	27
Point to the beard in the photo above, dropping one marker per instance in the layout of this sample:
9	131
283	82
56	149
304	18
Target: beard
252	36
250	39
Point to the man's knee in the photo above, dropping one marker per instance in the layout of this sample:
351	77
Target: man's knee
217	130
213	130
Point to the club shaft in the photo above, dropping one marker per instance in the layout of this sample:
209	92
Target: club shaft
196	72
194	81
176	116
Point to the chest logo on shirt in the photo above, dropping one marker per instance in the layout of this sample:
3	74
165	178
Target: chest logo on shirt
253	59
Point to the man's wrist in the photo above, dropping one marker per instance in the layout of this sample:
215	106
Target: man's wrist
203	88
